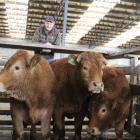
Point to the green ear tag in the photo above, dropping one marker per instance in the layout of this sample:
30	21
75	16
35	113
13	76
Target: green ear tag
72	61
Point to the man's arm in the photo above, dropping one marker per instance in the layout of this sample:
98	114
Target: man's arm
58	39
36	36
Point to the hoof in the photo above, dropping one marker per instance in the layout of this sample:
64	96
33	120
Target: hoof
77	137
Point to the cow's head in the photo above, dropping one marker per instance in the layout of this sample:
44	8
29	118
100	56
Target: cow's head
90	65
16	75
102	110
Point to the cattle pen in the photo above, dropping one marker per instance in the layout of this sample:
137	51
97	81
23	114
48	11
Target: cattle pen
109	27
132	129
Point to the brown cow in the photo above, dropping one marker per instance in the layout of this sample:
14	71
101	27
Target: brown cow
29	78
110	108
75	83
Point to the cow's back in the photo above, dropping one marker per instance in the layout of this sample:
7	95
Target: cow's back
115	80
117	89
62	69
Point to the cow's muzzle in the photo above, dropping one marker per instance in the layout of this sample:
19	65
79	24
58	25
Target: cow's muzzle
2	88
96	87
93	131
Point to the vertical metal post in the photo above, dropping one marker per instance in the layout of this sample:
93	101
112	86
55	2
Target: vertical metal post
64	25
64	22
132	76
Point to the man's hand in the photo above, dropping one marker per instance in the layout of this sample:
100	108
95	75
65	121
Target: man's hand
49	44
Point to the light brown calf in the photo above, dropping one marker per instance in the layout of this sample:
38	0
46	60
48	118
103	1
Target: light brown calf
29	78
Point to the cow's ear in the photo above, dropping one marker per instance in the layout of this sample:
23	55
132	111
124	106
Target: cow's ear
103	61
114	105
1	71
81	57
78	57
72	59
34	60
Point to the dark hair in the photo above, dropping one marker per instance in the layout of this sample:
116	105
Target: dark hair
50	18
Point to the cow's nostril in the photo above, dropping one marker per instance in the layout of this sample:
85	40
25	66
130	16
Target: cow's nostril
94	84
91	131
102	85
98	84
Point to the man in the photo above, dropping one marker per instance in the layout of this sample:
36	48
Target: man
47	33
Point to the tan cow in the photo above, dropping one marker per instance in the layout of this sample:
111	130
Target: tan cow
29	78
78	77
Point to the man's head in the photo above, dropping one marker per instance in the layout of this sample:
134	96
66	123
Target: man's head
49	22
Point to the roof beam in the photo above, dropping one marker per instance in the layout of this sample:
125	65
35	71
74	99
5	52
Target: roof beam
127	7
116	22
126	36
116	17
98	32
113	11
45	11
131	1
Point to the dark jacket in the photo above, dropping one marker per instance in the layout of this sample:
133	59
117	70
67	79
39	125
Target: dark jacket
44	36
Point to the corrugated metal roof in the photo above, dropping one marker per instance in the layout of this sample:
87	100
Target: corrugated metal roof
104	24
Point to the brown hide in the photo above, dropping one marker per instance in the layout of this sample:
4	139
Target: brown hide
75	83
30	78
110	108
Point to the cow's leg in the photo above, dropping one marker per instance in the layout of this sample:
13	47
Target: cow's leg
19	114
45	124
18	131
59	131
78	125
119	134
79	121
32	132
119	129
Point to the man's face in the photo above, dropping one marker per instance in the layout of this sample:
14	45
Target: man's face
49	25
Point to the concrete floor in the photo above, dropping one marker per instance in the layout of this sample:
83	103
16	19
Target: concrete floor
7	135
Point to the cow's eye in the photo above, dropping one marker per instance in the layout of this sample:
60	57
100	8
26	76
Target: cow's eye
103	110
85	68
16	67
